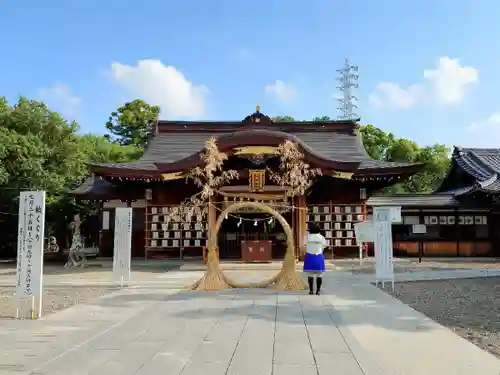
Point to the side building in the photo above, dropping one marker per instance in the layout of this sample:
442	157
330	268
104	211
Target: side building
462	217
156	183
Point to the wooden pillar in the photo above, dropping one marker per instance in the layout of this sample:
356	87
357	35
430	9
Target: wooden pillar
301	224
364	212
146	230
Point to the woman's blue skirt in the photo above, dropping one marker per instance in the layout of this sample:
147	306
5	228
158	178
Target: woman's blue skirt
314	263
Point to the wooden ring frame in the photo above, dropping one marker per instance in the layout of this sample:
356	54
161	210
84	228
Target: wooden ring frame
289	260
261	207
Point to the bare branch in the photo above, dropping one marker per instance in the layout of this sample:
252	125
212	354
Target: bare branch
294	173
208	177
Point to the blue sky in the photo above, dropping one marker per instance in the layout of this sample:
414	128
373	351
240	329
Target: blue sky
214	60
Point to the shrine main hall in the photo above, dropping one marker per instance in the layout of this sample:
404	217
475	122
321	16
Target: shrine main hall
342	196
156	182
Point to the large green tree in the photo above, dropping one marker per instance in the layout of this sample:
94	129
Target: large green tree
40	150
381	145
131	124
98	149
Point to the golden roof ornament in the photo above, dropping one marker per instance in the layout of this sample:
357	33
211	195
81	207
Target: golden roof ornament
257	112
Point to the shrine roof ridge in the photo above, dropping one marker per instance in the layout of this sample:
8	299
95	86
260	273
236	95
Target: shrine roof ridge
162	126
480	164
340	145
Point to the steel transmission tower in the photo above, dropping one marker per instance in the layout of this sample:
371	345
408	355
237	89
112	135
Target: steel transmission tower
348	78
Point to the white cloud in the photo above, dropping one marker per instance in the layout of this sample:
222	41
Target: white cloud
162	85
492	123
282	91
450	81
446	85
486	132
392	95
60	99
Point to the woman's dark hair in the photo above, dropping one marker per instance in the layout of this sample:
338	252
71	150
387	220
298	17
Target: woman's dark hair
314	228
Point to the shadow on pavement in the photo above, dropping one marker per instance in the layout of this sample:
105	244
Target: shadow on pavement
359	311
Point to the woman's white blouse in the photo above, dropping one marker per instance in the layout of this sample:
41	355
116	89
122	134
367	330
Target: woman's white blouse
315	243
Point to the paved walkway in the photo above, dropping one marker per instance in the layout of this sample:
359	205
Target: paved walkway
352	329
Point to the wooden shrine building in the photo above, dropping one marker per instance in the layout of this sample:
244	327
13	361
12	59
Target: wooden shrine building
462	217
155	183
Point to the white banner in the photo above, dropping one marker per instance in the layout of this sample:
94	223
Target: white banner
384	266
123	244
30	242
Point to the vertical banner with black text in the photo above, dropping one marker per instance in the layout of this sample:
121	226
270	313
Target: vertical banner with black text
122	253
30	243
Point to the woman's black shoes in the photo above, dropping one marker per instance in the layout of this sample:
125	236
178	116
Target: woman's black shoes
319	282
310	281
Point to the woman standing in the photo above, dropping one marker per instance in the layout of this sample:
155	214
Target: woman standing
314	261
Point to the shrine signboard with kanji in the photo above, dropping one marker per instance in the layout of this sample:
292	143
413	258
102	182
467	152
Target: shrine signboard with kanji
122	245
256	180
30	243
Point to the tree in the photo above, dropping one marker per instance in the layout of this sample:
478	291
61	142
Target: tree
322	118
97	149
40	150
131	124
381	145
385	146
376	141
283	119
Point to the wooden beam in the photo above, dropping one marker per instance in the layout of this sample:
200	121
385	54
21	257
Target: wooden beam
302	223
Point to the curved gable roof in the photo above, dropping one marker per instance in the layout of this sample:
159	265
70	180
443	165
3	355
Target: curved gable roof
326	144
482	164
265	137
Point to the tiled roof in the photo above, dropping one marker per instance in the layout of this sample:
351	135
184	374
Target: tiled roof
481	163
338	145
93	187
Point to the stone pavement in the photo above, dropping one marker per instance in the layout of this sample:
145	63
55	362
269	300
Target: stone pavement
352	329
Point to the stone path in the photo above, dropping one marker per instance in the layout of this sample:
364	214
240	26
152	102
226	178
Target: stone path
352	329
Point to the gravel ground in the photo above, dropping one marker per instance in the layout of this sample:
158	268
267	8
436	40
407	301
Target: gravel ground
469	307
412	266
54	299
364	270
